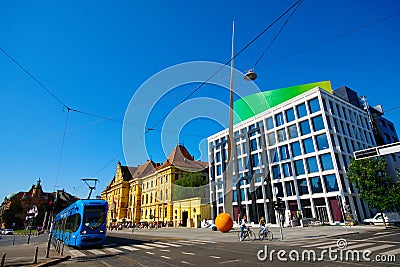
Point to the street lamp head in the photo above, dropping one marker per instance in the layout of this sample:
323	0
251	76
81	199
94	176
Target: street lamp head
250	75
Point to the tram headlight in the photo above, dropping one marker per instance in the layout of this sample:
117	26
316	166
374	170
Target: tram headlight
101	231
83	232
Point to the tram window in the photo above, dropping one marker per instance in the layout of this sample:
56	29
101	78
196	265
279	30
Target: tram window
73	222
94	217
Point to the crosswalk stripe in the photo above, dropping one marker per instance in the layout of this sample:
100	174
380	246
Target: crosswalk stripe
151	253
97	252
379	233
165	257
300	243
143	246
76	254
182	243
388	234
129	248
187	253
169	244
215	257
156	245
332	245
113	250
359	245
185	262
392	252
379	247
204	241
317	244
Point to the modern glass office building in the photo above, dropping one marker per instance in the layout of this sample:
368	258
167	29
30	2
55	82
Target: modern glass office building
296	146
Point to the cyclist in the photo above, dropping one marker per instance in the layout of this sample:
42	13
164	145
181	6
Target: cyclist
243	226
262	225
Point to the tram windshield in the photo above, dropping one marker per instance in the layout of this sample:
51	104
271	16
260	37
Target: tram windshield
94	217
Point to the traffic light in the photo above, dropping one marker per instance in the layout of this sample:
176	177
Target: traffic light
50	203
279	205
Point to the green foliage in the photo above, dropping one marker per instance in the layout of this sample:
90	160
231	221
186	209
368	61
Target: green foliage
9	217
375	187
191	179
189	185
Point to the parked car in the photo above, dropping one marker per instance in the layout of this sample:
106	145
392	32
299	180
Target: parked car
7	231
390	218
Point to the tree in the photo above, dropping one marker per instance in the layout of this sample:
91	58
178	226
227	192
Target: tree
191	179
9	215
188	185
374	186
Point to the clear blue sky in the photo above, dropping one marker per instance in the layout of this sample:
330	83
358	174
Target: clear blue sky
94	55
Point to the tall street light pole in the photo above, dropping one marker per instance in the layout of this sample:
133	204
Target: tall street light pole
228	183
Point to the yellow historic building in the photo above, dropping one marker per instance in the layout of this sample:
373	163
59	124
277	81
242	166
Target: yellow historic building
146	193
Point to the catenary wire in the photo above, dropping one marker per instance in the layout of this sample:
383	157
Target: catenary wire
278	33
230	60
62	147
335	37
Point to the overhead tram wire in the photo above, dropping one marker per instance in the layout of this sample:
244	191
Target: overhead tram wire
205	82
62	148
278	33
336	37
187	97
229	61
34	78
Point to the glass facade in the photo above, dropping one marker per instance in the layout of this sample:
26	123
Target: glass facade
300	146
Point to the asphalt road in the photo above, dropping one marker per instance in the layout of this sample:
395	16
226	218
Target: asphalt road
126	249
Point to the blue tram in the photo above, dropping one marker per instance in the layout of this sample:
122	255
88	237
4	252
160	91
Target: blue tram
83	223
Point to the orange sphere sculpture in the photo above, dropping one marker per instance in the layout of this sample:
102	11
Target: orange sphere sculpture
224	222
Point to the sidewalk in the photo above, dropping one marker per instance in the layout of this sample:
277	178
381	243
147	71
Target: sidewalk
24	255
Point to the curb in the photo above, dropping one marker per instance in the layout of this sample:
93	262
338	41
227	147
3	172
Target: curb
53	262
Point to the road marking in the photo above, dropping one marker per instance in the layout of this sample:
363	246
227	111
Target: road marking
359	245
165	257
204	241
165	250
169	244
392	252
185	262
143	246
223	262
97	252
317	244
76	254
113	250
380	247
129	248
332	245
156	245
381	236
215	257
182	243
187	253
380	233
151	253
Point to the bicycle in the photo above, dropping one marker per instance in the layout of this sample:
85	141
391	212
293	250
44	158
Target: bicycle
267	234
247	234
